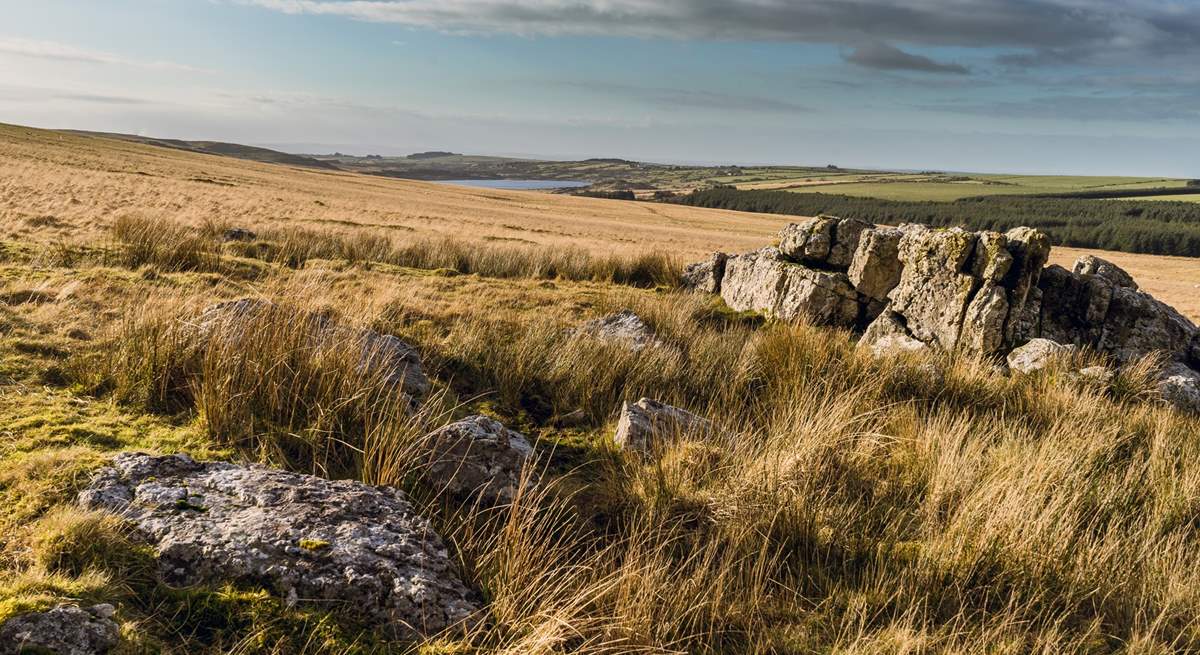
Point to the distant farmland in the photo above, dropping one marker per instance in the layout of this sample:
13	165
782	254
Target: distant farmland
1144	225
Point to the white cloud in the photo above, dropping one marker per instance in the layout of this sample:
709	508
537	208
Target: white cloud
53	50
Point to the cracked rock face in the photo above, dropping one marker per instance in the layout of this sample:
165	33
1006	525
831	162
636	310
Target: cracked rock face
705	276
645	424
64	630
765	281
397	363
479	457
335	545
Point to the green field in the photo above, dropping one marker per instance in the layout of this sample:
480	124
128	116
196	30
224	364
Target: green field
946	188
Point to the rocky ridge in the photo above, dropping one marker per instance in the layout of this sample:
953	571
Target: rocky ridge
914	287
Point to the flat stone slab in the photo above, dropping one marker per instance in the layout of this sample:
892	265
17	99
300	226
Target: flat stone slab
338	545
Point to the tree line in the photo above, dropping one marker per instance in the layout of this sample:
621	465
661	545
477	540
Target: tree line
1153	227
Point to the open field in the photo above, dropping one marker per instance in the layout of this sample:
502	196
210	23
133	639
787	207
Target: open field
67	188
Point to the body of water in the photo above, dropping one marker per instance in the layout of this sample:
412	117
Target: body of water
518	184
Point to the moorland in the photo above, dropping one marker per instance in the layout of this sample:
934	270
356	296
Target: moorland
853	505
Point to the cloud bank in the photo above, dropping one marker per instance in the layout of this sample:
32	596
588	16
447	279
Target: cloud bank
1034	32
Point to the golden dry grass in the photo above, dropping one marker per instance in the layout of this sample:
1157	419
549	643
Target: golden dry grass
57	186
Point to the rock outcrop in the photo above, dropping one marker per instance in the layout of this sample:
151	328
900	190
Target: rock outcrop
337	545
644	425
64	630
478	457
394	362
914	287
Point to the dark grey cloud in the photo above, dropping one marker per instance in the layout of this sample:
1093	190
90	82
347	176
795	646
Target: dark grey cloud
691	98
1034	31
886	57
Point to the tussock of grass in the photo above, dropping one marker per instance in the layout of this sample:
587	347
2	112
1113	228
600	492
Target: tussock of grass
168	246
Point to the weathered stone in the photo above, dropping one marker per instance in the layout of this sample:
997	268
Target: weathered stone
644	425
764	281
64	630
934	291
983	324
478	457
886	335
1030	250
1026	322
1180	387
385	356
339	545
875	268
624	327
847	234
1092	265
1037	355
1073	307
1137	325
705	276
809	240
992	260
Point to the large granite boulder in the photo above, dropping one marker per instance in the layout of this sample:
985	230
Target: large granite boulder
1113	318
64	630
394	362
646	424
478	457
765	281
337	545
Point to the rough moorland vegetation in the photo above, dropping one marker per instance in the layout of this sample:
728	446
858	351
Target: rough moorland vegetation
1143	226
836	502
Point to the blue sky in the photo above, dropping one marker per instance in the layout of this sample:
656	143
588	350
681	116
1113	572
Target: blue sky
1071	86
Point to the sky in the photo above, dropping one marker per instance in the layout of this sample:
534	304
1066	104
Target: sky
1039	86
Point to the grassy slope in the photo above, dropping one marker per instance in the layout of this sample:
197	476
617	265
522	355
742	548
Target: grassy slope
852	505
63	188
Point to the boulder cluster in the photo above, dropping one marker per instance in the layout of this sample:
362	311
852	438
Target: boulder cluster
915	287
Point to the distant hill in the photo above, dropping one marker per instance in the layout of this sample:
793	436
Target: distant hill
433	154
236	150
